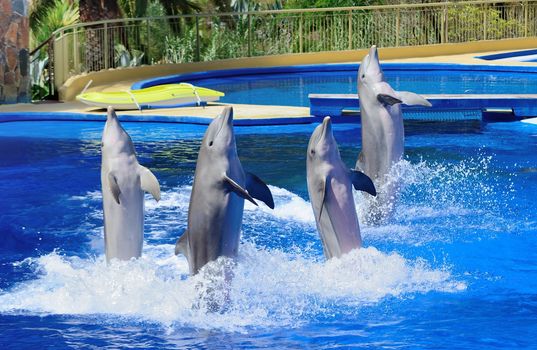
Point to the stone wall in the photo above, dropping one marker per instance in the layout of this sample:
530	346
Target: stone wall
14	60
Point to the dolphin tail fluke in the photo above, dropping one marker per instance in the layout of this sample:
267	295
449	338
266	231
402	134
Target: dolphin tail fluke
235	187
149	182
181	246
412	99
114	187
362	182
259	190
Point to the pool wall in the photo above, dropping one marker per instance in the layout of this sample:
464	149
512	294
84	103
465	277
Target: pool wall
82	117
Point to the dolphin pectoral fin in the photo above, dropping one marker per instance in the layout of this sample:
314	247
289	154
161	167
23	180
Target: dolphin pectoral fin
362	182
388	99
235	187
181	246
114	187
412	99
323	218
149	182
259	190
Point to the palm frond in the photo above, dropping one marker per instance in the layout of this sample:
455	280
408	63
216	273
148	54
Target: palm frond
60	14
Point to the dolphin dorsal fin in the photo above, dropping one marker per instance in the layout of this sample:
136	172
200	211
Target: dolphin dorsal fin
149	182
114	187
259	190
235	187
362	182
412	99
181	246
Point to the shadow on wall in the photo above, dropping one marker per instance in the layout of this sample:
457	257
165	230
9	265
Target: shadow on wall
14	60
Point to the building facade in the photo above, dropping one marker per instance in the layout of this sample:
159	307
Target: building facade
14	55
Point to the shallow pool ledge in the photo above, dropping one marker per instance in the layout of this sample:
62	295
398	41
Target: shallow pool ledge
75	111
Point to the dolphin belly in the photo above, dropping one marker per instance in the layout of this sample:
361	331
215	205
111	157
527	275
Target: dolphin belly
213	226
338	224
123	222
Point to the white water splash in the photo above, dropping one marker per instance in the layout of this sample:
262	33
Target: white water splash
269	288
438	201
288	206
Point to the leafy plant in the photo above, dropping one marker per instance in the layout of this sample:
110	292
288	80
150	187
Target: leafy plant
225	43
126	58
40	83
464	20
133	8
179	49
58	15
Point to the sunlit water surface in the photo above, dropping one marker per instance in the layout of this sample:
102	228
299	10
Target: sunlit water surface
293	89
454	268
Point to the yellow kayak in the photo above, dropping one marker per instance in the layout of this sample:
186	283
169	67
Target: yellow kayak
168	95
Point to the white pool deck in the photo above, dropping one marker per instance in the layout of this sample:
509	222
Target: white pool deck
241	111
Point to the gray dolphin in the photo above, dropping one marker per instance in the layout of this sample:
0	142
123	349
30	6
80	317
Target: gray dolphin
217	200
123	183
383	134
330	189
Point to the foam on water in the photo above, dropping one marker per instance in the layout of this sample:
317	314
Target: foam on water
288	206
269	287
437	201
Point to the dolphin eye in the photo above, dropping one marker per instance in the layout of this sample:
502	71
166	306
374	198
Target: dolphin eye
363	76
210	143
312	151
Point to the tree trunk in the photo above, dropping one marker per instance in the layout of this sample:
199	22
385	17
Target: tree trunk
98	10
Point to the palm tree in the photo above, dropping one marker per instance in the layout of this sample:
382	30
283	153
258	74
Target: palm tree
54	15
97	10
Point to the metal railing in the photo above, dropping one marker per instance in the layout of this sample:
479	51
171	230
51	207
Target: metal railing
88	47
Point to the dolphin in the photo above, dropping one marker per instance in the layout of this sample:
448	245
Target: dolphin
330	189
382	129
217	199
123	182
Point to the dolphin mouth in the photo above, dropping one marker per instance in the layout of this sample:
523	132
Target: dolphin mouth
227	119
373	53
372	65
110	113
327	129
372	56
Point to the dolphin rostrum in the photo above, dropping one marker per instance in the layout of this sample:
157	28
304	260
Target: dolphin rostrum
382	130
217	199
123	183
330	189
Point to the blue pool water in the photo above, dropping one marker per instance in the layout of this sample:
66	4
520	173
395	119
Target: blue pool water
518	56
454	268
290	86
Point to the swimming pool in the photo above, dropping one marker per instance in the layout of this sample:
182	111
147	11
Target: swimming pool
517	56
455	268
290	86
